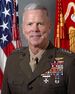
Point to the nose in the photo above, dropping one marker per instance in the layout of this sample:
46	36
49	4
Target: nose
36	28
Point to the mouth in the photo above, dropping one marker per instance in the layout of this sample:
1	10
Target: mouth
35	36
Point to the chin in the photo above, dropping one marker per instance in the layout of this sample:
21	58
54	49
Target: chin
35	43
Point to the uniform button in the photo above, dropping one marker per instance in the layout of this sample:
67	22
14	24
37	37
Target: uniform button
30	87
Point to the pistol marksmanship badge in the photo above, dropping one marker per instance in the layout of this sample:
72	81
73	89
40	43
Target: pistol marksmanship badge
56	71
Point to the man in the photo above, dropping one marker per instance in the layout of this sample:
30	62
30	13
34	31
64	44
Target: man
40	68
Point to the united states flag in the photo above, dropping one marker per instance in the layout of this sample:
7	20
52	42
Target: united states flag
9	35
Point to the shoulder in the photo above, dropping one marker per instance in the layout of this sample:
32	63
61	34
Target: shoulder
68	59
64	52
68	56
17	54
16	57
19	51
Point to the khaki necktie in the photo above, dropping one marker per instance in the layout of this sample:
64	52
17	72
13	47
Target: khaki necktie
33	63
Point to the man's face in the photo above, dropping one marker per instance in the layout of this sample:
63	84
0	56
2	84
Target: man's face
36	26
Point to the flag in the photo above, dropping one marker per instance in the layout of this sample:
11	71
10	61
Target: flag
9	32
64	35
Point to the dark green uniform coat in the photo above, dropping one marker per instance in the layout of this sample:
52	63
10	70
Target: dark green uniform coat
54	74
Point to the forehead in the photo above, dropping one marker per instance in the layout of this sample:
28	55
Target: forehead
35	13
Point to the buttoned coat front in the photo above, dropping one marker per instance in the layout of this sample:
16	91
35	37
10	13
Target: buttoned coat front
46	79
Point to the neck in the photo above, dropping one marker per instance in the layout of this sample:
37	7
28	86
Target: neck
37	49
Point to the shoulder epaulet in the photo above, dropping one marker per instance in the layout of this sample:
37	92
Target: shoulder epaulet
19	50
64	51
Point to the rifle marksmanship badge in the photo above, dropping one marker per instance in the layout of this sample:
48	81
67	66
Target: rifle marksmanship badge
55	72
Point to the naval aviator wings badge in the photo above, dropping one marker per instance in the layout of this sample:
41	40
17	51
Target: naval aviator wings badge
56	71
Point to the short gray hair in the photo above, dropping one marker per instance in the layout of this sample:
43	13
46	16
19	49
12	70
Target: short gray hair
34	6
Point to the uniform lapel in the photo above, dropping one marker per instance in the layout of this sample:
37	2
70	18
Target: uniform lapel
24	64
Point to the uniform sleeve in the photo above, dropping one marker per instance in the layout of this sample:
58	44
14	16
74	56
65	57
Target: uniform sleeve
69	73
71	87
5	86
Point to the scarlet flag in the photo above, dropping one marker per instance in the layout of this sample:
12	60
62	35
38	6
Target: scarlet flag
65	25
9	32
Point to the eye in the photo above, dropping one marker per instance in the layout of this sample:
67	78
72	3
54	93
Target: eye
30	23
40	23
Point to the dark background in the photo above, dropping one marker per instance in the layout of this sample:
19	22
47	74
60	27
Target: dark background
50	4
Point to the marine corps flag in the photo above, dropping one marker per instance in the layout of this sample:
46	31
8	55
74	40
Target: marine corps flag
65	25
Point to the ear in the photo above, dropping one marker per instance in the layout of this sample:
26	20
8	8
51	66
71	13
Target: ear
49	25
23	30
22	27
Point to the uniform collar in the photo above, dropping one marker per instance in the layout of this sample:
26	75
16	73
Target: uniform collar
38	55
